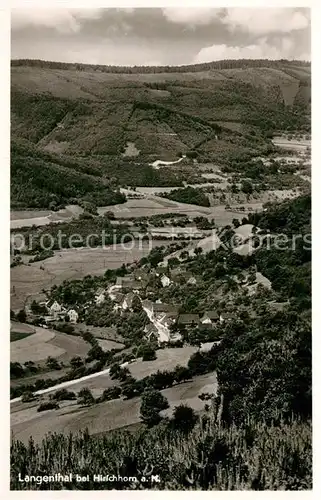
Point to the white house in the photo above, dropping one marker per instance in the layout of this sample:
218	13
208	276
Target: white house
210	317
55	309
100	298
73	316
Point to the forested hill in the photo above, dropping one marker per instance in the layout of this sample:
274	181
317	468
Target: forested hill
191	68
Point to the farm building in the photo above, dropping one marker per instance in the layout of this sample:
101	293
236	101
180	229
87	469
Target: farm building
54	309
73	316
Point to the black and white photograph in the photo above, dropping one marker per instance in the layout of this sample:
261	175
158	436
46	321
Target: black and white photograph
160	248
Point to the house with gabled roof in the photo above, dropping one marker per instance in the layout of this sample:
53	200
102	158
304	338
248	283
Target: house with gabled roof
227	316
210	317
128	300
54	308
151	332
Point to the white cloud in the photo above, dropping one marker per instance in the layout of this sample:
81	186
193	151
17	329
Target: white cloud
63	20
253	20
191	15
261	50
266	20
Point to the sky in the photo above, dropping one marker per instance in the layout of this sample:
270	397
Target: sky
159	36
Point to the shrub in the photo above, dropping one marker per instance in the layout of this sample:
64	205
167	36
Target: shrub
85	397
49	405
27	397
184	418
63	395
152	403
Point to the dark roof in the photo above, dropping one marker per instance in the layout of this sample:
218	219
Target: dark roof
228	315
119	297
133	284
168	308
186	319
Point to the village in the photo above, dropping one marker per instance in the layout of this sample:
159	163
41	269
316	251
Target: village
131	293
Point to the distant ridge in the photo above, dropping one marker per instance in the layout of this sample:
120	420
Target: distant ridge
193	68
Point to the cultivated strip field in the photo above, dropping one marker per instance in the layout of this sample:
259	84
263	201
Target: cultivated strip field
43	343
28	218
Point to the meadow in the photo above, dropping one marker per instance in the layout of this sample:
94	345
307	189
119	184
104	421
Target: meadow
101	417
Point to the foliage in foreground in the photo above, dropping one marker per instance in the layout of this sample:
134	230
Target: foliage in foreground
251	456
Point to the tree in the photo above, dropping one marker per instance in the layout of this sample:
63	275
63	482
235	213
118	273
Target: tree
184	418
123	374
52	363
173	262
48	405
111	393
114	370
63	395
136	304
153	402
182	374
37	308
76	362
247	187
148	353
95	352
85	397
236	223
27	397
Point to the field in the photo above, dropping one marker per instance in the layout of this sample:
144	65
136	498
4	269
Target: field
104	416
108	345
166	359
156	205
43	343
28	281
28	218
105	332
